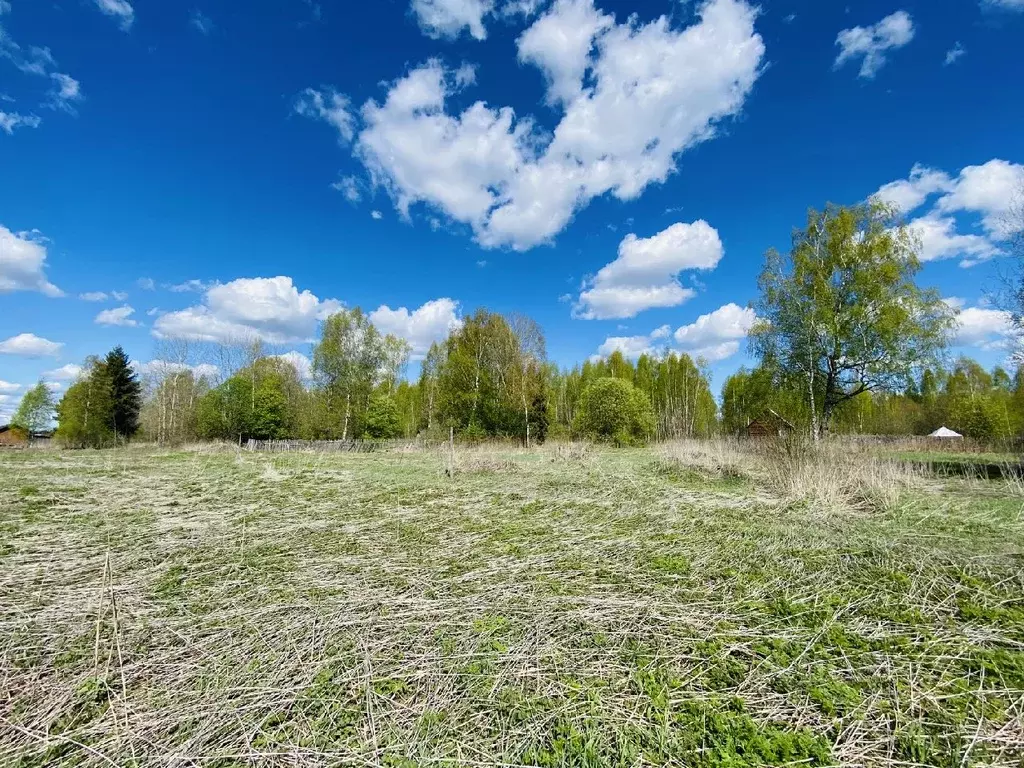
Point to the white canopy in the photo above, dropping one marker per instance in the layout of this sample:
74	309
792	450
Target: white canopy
943	432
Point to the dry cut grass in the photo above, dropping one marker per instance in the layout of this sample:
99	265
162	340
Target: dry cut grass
692	604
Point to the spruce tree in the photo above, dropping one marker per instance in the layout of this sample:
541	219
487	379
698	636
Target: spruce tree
125	394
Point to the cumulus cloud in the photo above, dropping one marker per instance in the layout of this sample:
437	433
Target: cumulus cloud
6	386
872	44
121	316
93	296
67	372
940	240
560	44
988	190
645	274
11	120
911	193
633	97
432	322
23	263
983	327
302	364
448	18
30	345
270	309
121	10
714	336
161	369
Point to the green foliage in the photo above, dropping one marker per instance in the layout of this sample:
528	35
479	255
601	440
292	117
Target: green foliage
125	395
488	378
842	312
35	412
383	420
259	402
678	389
84	413
351	360
616	411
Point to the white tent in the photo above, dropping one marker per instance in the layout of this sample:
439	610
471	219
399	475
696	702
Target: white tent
943	432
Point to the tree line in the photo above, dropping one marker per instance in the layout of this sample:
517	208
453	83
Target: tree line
845	339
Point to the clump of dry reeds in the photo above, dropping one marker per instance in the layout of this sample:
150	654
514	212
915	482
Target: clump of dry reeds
828	478
717	458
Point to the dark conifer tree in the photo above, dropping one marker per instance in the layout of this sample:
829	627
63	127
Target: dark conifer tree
125	393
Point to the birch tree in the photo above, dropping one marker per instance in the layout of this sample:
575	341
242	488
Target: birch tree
843	311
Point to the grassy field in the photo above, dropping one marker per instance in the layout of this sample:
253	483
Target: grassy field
679	605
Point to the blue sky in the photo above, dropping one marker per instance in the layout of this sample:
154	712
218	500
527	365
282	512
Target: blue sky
218	169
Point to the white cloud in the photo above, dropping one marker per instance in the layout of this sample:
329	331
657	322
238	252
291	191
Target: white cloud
30	345
651	92
983	327
66	92
54	386
119	9
909	194
197	286
433	321
68	372
146	283
645	274
989	190
6	386
11	120
160	369
940	240
5	7
121	316
93	296
327	105
302	364
871	44
559	44
447	18
1005	5
714	336
267	308
349	187
954	53
376	215
23	263
201	22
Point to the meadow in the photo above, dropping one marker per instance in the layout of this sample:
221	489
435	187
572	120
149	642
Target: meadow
697	604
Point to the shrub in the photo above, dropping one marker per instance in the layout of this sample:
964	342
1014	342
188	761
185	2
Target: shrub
616	411
383	421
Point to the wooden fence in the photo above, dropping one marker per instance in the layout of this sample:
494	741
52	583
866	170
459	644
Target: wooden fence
330	446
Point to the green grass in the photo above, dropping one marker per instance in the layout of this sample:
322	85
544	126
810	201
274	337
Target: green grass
689	605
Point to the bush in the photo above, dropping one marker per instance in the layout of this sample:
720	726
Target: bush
616	411
383	421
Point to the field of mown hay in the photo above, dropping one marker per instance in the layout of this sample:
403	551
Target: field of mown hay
687	605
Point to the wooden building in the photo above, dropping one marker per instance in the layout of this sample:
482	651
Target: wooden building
12	437
769	424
